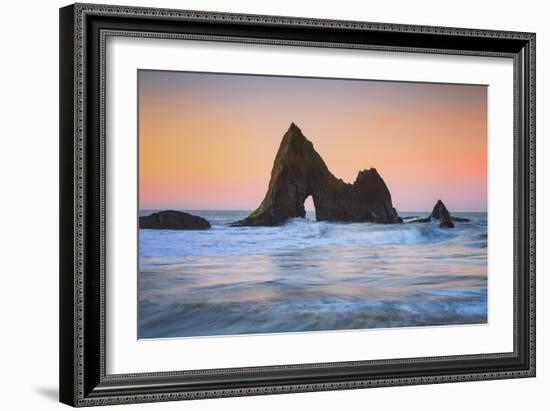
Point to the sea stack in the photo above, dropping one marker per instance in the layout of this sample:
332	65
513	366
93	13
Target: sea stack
441	213
299	172
173	220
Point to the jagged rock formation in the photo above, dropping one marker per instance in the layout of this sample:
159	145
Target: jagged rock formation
173	220
299	171
440	213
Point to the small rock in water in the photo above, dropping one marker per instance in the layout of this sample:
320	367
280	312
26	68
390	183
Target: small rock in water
173	220
440	213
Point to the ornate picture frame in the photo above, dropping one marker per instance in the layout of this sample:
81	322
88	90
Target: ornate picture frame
84	30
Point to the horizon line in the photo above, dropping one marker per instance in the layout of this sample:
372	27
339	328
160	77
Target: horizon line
252	209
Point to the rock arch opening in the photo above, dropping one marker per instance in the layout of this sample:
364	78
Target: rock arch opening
309	206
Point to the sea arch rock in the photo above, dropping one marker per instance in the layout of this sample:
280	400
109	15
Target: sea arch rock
299	172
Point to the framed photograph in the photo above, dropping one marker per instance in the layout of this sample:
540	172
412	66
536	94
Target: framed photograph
260	204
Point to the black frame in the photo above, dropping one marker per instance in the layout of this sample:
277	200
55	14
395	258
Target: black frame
83	30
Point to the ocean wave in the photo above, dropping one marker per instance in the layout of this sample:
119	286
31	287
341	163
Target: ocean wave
308	276
203	319
298	233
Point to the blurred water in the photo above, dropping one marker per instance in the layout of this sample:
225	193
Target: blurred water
308	275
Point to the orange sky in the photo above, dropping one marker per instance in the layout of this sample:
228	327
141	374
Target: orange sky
208	141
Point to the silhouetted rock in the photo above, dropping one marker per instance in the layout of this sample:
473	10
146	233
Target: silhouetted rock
299	171
441	213
173	220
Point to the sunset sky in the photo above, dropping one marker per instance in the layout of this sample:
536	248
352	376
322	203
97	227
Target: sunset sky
208	141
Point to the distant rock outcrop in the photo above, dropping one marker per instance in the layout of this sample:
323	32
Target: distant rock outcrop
299	171
173	220
440	213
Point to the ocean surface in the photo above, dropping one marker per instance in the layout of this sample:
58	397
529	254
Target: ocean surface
310	276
